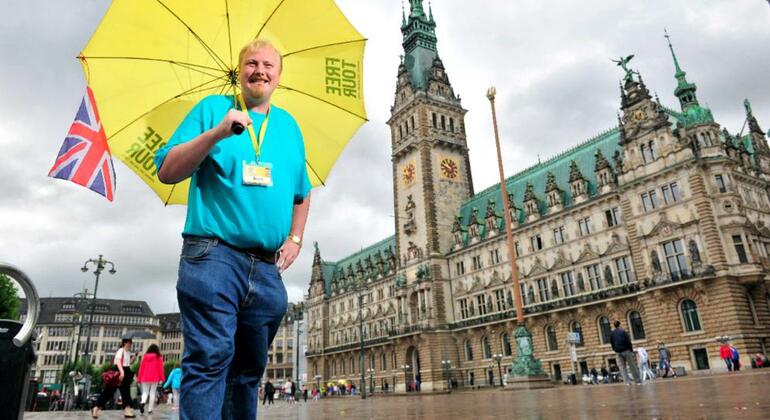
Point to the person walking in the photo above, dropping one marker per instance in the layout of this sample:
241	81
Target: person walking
664	361
621	345
247	207
267	390
150	374
175	381
736	358
726	354
644	364
122	363
304	393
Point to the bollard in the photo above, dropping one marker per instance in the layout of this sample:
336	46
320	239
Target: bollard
17	351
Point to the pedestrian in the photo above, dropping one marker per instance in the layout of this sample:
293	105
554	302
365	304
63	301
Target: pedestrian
304	393
150	374
122	363
736	358
174	380
644	364
605	375
594	376
759	360
247	206
621	344
664	361
269	392
386	386
293	397
726	354
287	395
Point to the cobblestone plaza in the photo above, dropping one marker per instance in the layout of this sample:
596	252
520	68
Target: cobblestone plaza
723	396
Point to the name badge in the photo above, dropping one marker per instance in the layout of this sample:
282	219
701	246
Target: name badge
259	174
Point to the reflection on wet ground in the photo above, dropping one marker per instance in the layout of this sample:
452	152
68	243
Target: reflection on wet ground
723	396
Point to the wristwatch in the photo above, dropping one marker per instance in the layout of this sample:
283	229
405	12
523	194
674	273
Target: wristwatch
296	239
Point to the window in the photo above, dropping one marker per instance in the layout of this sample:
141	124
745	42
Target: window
649	200
451	124
653	150
411	119
460	268
613	216
550	338
623	264
720	183
537	243
677	265
481	304
505	339
494	256
464	311
739	249
690	316
468	350
637	326
517	248
542	290
567	283
558	235
434	120
576	328
486	349
476	262
594	278
523	291
500	300
585	226
670	193
604	330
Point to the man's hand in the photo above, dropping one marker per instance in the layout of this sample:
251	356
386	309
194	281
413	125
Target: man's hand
225	127
121	376
287	253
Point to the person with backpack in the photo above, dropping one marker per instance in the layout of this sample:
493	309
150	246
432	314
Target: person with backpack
150	374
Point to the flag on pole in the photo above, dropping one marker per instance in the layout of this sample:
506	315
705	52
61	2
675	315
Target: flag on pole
84	157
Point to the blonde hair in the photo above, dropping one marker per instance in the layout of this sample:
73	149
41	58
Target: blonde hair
258	44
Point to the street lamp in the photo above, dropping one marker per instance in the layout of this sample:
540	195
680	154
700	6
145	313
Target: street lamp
371	380
405	368
498	358
81	297
99	265
447	366
361	283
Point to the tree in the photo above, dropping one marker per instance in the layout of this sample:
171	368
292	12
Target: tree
9	299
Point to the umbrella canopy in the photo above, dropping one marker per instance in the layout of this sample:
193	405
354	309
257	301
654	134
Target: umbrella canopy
150	61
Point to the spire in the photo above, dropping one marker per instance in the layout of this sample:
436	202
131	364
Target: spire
673	54
430	12
403	16
419	42
685	90
416	10
751	119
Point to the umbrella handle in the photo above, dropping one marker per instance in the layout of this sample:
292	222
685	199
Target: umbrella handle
237	128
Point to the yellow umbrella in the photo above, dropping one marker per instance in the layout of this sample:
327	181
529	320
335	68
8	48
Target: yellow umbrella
151	61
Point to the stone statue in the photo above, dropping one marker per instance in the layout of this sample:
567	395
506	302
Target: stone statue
694	253
655	262
622	62
580	283
411	225
608	275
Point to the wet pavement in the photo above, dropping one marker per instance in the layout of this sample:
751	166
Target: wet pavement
725	396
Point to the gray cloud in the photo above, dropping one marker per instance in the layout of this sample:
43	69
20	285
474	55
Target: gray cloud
548	59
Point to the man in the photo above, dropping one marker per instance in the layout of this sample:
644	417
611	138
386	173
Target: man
621	344
664	361
247	208
726	354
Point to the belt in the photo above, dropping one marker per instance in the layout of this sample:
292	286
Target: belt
259	253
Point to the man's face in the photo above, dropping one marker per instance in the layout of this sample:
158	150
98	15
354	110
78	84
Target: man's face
260	73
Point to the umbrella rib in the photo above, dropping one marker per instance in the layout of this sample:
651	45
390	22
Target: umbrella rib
205	46
190	91
268	19
229	36
322	100
315	173
324	46
190	66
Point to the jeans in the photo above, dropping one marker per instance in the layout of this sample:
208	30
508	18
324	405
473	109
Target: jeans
231	305
628	357
729	363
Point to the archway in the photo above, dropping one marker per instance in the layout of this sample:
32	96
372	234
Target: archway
412	375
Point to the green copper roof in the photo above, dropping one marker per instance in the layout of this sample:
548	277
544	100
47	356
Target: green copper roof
419	43
695	115
331	270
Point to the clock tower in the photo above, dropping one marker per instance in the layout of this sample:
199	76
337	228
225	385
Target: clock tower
431	169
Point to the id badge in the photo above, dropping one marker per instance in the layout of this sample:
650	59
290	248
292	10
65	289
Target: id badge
259	174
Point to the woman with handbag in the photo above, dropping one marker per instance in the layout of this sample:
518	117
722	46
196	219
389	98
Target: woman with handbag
125	376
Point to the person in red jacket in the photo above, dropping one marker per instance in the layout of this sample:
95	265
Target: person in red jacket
150	374
726	354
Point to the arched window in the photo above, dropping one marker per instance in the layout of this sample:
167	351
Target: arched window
468	350
637	326
690	315
506	340
486	350
653	150
352	364
342	366
315	368
576	328
383	364
393	363
550	338
334	368
604	330
371	362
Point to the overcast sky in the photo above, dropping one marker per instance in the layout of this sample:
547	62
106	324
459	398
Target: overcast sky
548	59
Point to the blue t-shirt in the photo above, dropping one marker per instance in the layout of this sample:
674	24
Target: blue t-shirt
219	204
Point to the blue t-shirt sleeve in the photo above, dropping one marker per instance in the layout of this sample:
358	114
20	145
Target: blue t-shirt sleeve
303	186
193	125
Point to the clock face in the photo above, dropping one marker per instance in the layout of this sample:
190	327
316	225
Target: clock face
639	115
449	168
408	173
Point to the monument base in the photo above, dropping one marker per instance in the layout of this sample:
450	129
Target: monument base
529	382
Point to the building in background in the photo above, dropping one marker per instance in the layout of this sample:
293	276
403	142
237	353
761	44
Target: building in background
171	342
285	354
662	221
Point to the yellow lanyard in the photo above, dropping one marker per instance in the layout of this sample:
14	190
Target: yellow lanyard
256	141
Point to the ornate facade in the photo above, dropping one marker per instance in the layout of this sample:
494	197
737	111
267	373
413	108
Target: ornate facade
662	222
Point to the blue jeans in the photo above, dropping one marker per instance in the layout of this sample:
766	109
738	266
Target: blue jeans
231	305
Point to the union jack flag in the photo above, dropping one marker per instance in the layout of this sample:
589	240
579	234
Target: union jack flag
85	157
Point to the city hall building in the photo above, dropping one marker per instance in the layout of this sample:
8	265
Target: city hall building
661	222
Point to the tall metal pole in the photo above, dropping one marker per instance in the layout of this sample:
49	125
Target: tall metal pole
361	339
508	229
99	263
